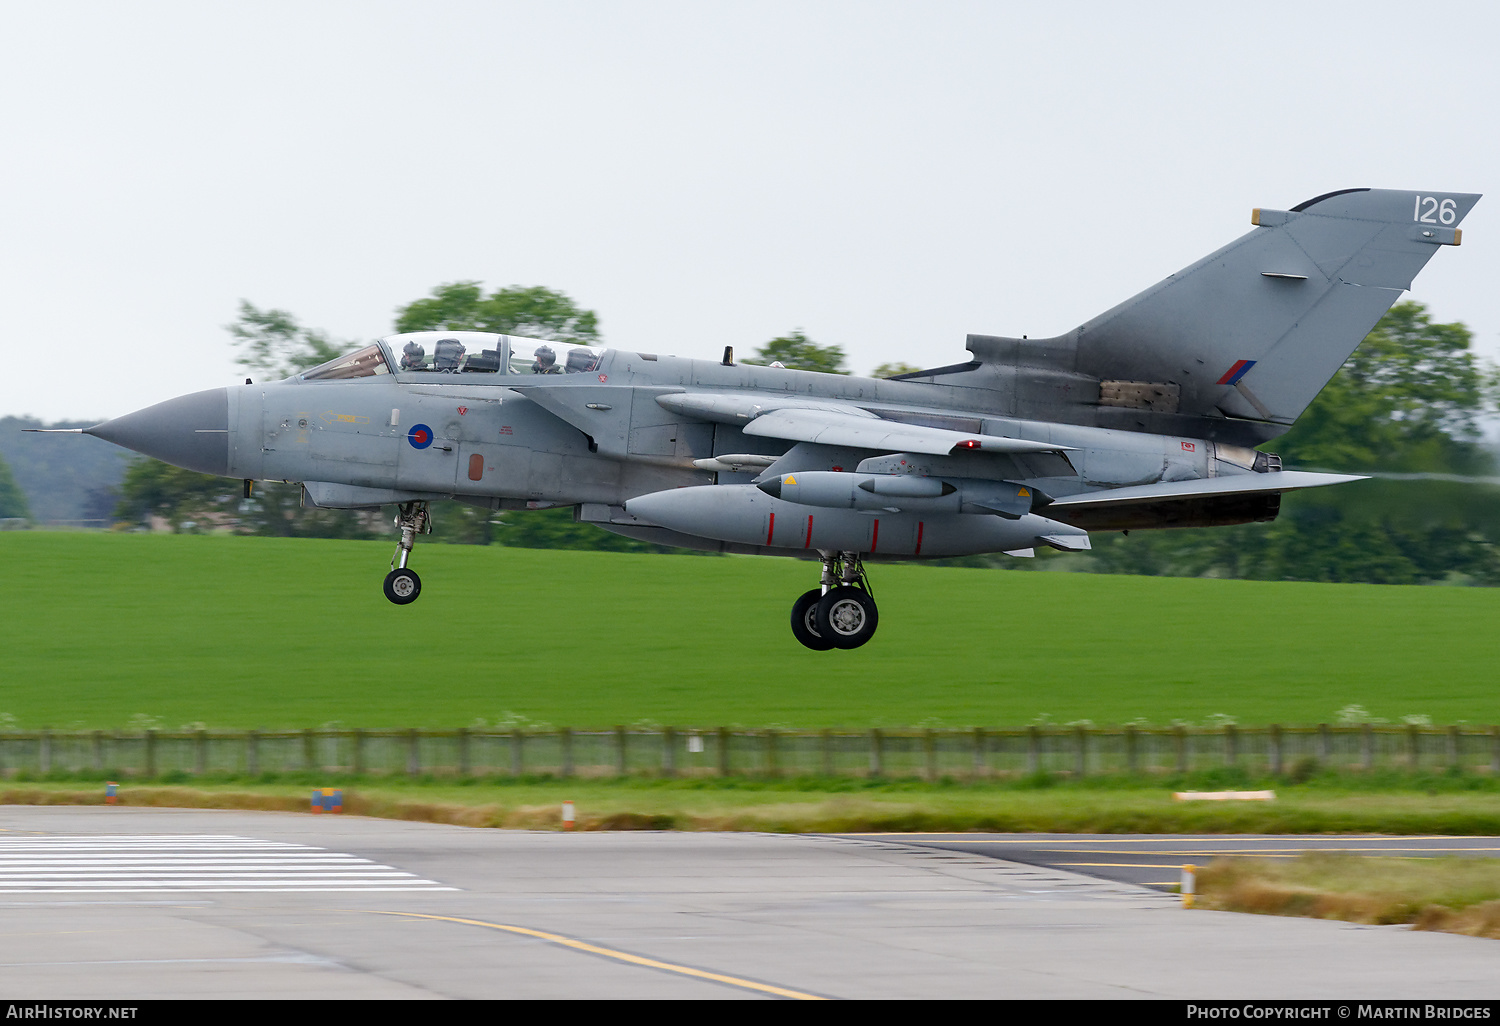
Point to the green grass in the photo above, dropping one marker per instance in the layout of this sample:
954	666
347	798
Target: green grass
249	632
1130	806
1451	893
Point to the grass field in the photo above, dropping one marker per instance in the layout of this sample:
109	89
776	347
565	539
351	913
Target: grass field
1453	894
1327	806
232	632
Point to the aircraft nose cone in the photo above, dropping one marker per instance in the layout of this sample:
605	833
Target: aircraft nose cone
191	431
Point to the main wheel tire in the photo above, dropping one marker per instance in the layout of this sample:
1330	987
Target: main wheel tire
804	621
402	586
847	617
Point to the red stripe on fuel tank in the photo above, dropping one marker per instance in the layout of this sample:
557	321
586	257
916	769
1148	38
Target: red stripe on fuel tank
808	543
771	529
874	535
918	552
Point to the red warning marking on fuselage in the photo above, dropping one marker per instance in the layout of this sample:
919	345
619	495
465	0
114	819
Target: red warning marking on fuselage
918	551
808	543
874	535
771	529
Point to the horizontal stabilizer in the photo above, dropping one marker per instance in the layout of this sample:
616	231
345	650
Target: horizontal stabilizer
1238	484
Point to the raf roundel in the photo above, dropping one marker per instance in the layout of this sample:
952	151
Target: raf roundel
420	436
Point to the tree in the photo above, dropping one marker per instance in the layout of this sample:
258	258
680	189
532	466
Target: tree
531	312
12	499
273	345
1409	399
799	352
890	370
153	488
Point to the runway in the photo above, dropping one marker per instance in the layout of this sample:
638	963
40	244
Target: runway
1156	860
135	904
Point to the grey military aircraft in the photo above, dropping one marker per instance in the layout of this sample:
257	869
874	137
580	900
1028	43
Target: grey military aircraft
1147	416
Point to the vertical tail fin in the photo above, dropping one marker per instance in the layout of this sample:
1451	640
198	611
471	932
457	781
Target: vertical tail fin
1255	330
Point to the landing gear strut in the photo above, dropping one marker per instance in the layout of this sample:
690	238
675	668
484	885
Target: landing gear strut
403	585
840	612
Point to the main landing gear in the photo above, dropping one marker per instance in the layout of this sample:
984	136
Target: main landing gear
403	585
840	612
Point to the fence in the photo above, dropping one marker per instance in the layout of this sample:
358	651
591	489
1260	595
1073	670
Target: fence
666	751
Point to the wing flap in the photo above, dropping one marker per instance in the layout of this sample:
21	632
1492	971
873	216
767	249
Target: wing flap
829	427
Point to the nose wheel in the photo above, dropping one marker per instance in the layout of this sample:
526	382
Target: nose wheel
402	585
841	612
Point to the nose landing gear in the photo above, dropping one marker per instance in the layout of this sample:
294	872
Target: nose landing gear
401	584
841	612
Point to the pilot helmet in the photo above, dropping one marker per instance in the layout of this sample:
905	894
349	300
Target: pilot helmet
414	352
545	356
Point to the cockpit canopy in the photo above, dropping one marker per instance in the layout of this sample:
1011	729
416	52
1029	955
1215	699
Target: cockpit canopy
460	352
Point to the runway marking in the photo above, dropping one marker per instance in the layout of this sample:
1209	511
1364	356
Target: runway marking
132	863
623	956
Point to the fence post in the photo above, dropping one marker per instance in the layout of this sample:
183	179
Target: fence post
98	752
359	751
252	752
620	763
1033	750
200	751
668	752
1453	747
929	754
771	769
1367	747
1081	762
1325	744
309	751
1179	736
1495	749
980	762
827	752
1131	762
463	751
877	767
565	743
517	764
1275	743
1412	746
413	753
724	761
1231	745
44	752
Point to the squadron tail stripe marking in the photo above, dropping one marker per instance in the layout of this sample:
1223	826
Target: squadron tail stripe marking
1239	370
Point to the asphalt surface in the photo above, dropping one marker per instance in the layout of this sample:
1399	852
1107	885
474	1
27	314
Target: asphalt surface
1156	860
128	904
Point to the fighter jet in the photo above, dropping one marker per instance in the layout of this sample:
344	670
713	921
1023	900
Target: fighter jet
1150	415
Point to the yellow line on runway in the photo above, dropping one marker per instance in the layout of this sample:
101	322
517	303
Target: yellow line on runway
594	949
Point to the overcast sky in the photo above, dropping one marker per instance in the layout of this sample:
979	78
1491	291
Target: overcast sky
884	176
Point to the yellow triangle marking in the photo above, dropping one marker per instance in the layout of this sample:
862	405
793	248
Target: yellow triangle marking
1023	493
790	480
